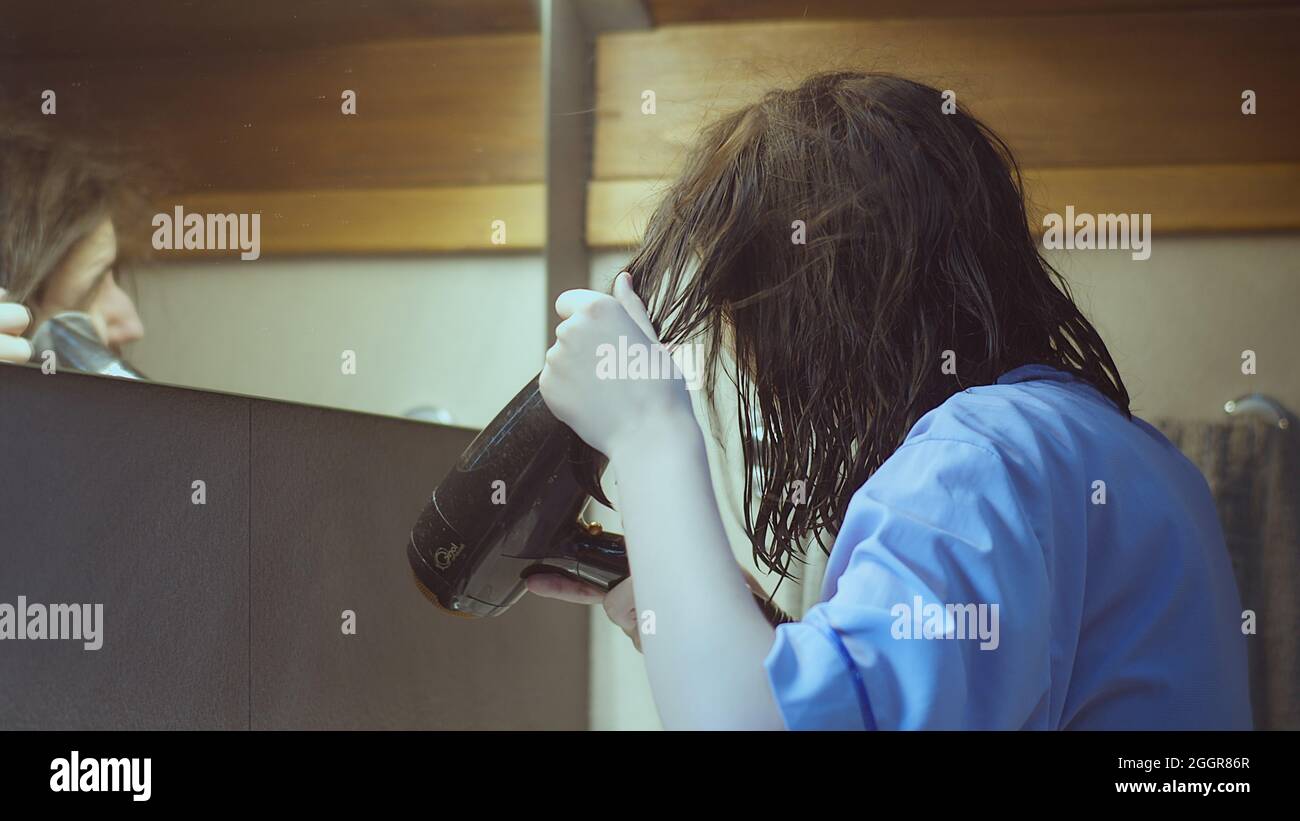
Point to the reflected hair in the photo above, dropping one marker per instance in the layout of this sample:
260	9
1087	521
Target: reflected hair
55	190
848	237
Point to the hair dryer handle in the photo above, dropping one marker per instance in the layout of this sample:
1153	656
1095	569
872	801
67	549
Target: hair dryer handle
592	555
600	558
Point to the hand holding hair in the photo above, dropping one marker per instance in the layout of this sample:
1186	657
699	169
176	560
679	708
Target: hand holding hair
605	402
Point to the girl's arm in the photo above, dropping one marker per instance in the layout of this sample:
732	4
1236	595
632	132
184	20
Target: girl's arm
702	633
704	638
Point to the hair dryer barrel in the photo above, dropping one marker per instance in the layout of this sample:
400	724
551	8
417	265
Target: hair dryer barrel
509	508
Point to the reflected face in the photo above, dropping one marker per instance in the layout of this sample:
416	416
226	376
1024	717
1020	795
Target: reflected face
85	281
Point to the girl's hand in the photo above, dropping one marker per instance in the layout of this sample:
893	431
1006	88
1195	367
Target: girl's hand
14	319
592	380
619	604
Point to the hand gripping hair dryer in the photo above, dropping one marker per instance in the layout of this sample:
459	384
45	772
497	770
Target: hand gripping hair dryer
510	508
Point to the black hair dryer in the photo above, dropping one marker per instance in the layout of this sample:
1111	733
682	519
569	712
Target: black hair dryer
77	347
510	508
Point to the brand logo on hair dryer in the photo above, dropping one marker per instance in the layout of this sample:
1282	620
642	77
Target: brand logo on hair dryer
444	556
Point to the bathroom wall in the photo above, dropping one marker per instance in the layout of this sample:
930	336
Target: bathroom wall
1177	324
463	332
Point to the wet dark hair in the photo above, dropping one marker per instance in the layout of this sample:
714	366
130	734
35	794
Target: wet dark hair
917	243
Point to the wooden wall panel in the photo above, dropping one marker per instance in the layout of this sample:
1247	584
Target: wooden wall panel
677	12
79	28
380	221
1078	90
431	112
1181	199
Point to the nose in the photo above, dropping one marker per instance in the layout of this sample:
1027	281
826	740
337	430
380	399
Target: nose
121	321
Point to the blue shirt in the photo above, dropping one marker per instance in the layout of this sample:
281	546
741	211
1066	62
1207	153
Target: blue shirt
1028	558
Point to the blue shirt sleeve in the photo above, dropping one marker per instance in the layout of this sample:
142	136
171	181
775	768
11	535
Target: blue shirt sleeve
936	610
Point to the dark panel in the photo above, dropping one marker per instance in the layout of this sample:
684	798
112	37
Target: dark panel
95	507
334	497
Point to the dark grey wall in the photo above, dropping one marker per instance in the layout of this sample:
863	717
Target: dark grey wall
228	614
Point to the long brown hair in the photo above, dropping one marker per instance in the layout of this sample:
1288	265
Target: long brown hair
916	243
54	191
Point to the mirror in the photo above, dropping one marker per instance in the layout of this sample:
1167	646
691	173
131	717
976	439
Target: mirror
325	202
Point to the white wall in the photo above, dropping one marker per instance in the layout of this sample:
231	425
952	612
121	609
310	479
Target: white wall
462	332
1178	322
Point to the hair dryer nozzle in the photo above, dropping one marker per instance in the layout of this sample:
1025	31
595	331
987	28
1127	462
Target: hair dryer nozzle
72	337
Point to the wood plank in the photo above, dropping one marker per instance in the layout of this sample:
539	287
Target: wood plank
1181	199
678	12
431	112
79	28
1094	90
379	221
617	211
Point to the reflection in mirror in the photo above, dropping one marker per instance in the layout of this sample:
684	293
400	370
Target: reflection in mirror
324	202
72	337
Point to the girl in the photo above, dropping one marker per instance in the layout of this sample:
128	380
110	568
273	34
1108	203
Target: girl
58	245
1012	548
